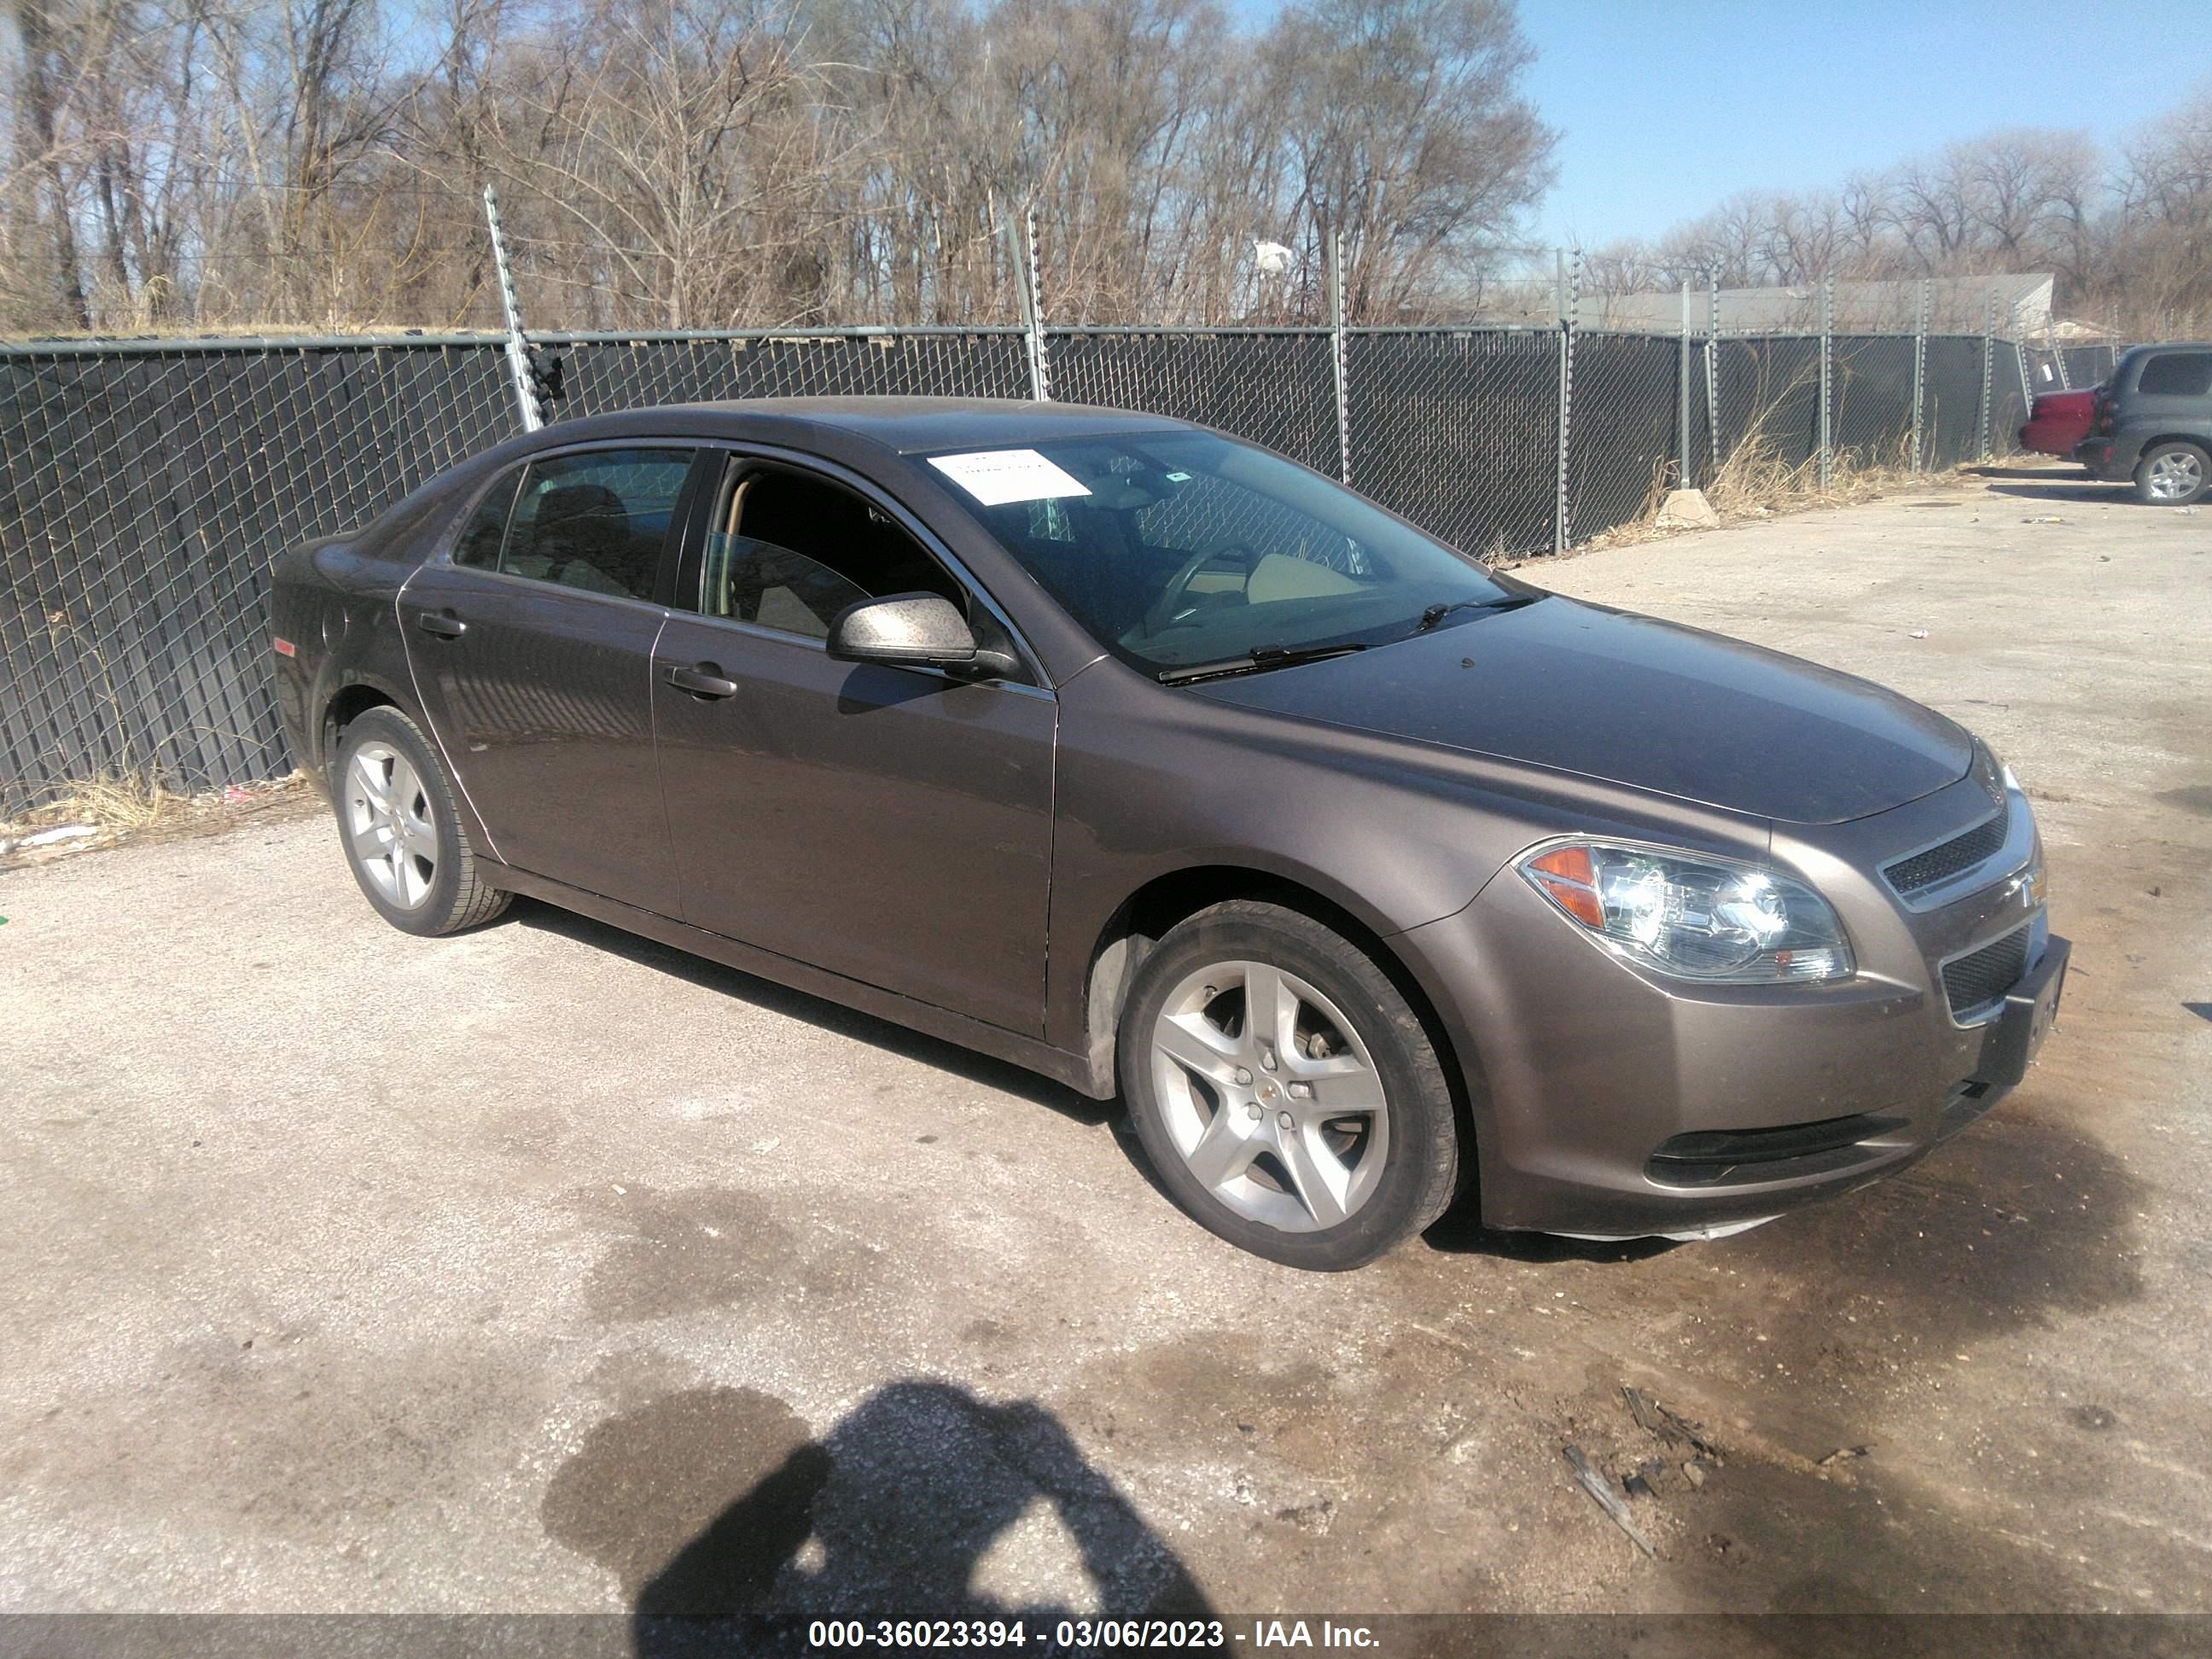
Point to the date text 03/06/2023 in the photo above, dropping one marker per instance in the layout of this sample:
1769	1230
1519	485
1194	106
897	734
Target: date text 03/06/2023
1090	1635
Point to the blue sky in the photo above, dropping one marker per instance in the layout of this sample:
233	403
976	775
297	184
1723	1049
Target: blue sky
1669	108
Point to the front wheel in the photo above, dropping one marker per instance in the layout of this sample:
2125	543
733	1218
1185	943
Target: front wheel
1285	1091
404	837
2172	475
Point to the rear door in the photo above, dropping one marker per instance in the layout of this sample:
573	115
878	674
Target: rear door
532	644
893	825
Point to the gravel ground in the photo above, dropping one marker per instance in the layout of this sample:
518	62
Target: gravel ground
543	1269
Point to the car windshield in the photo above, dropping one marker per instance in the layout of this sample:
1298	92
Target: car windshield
1180	550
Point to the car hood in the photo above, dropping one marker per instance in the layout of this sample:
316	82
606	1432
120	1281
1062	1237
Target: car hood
1578	687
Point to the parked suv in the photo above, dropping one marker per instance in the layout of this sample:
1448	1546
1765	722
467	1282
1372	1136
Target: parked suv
2152	423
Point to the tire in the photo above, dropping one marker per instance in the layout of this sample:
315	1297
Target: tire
2172	474
1287	1177
421	878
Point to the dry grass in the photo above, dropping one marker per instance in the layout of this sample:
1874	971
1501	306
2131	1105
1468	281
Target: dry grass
124	807
1756	482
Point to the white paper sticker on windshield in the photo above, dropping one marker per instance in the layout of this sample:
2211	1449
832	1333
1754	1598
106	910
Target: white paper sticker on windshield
995	476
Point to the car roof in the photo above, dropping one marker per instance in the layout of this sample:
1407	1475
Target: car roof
909	425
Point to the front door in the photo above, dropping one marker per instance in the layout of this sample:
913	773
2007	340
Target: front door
532	651
892	825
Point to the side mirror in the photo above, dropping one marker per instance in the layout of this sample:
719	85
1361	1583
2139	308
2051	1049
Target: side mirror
914	630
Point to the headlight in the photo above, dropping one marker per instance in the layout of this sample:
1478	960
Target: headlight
1695	918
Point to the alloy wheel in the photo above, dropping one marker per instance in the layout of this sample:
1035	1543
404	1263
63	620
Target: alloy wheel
2175	475
389	825
1270	1097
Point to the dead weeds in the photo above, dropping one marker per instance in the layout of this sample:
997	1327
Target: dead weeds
105	812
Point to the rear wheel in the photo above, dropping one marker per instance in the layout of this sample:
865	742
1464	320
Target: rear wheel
2172	475
404	838
1285	1091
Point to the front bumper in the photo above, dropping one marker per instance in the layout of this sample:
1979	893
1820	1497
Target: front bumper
1611	1102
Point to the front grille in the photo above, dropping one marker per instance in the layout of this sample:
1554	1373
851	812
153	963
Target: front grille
1923	871
1974	982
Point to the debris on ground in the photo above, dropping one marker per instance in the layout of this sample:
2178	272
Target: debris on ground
66	832
1601	1490
1654	1477
104	812
1664	1426
1695	1471
1918	634
1843	1454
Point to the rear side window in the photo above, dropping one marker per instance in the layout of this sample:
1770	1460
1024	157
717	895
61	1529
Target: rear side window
2176	374
597	521
486	530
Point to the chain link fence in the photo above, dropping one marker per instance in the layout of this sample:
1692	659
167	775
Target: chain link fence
1275	388
598	372
1458	431
144	487
1622	430
142	494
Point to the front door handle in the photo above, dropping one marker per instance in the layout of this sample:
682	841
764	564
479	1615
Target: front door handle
444	623
705	682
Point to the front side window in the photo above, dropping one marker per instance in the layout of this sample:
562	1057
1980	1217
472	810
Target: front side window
596	520
787	549
1176	548
2176	374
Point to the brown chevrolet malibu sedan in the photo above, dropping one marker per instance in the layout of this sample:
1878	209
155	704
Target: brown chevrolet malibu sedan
1368	878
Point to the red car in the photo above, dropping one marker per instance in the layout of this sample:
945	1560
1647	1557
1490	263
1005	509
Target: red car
2057	422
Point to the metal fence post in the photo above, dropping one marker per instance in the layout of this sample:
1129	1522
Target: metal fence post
1989	333
1562	531
1337	357
1827	358
1920	309
1682	398
518	343
2057	354
1713	373
1030	288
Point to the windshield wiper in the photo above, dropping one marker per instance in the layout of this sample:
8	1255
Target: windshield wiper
1436	613
1258	660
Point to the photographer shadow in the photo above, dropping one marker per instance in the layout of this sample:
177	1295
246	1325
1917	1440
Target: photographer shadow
924	1502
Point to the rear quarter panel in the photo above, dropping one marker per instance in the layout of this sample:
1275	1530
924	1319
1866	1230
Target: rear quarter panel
332	601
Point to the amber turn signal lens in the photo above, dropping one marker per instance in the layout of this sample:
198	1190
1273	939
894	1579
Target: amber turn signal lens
1567	876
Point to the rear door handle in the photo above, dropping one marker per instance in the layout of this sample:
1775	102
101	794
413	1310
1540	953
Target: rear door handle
704	681
444	623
